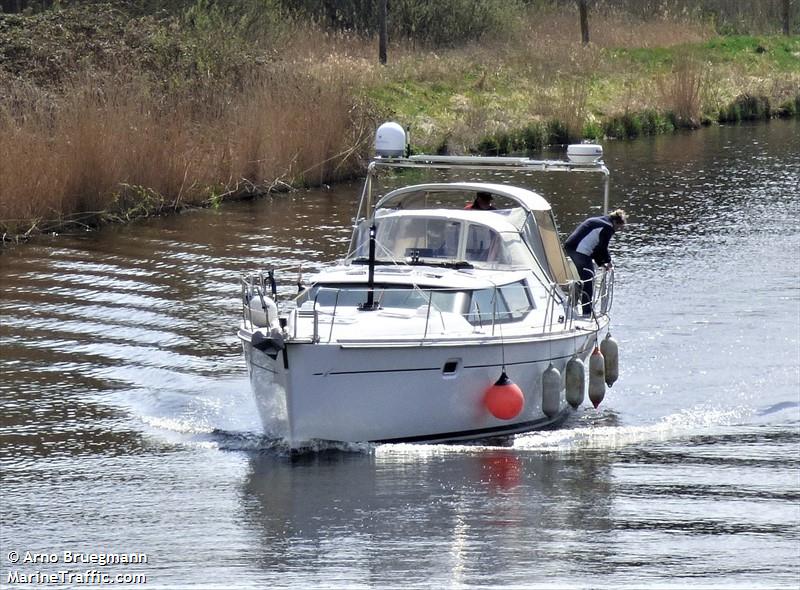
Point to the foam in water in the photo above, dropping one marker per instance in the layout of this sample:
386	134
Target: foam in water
679	425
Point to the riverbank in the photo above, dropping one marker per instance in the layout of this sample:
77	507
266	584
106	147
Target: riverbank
108	116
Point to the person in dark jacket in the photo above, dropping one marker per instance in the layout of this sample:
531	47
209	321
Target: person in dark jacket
587	245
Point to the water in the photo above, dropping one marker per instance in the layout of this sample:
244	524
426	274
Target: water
126	423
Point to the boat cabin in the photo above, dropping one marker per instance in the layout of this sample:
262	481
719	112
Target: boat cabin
428	224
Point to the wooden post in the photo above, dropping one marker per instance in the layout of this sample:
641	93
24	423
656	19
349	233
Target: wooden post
584	21
382	36
787	14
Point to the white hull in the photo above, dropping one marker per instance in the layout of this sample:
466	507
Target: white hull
384	392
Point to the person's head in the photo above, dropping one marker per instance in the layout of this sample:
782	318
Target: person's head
619	218
483	200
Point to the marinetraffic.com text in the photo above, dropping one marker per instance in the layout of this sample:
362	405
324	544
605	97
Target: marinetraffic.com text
74	568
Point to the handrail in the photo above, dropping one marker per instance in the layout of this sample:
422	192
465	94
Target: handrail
489	163
559	314
509	163
558	306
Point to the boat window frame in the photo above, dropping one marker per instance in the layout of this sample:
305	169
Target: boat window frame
496	316
358	294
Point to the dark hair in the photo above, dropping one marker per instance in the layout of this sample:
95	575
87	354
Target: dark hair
484	195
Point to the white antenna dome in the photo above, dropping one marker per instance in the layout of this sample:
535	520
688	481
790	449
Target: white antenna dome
584	153
390	141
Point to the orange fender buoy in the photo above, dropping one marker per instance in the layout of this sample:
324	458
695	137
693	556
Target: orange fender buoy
504	399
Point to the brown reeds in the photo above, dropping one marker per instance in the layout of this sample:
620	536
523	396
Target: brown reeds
111	148
681	90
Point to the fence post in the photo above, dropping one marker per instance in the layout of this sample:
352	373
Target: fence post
584	21
382	35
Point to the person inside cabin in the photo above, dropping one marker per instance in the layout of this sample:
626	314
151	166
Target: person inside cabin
483	201
587	245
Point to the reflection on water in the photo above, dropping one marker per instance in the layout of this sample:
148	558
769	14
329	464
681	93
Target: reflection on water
443	516
126	422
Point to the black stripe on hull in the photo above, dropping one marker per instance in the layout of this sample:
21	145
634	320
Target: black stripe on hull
481	433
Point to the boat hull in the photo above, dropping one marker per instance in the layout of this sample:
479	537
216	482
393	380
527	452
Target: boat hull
412	392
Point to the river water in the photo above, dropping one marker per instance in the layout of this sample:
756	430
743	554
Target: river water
127	426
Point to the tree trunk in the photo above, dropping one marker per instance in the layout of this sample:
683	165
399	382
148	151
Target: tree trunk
382	36
787	13
584	21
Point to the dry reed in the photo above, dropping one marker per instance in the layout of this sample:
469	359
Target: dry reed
681	90
104	146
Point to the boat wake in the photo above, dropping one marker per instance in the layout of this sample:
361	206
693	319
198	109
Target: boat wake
602	430
780	407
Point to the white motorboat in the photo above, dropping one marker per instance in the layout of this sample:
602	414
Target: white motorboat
441	324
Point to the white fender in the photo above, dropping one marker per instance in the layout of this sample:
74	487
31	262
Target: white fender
576	381
597	384
610	351
263	315
551	390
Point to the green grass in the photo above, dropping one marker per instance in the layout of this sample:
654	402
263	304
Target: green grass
777	53
781	53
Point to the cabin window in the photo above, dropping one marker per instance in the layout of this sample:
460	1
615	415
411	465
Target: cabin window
484	245
396	297
508	303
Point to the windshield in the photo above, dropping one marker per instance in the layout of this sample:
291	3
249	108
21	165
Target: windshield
398	238
405	239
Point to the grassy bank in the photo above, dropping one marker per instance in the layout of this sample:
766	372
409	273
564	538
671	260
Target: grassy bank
108	115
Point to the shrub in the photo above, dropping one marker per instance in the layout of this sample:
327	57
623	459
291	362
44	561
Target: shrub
592	130
746	107
534	137
488	146
789	108
624	126
557	132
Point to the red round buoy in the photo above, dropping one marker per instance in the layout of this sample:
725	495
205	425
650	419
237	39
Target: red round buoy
504	399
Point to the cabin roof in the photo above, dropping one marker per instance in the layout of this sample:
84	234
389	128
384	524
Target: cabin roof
525	198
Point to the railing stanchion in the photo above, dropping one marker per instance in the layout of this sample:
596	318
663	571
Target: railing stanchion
427	317
333	317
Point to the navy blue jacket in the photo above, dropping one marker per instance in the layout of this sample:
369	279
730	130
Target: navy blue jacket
591	238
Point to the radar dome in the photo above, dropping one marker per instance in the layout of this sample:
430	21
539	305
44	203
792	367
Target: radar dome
584	153
390	141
